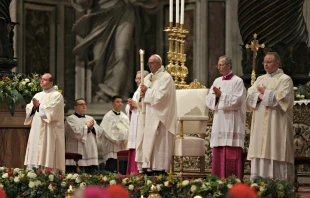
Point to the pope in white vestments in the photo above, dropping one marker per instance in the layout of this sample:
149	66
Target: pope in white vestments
82	133
156	130
115	125
227	99
46	142
271	99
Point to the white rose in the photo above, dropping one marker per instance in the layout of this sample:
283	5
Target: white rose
21	175
37	183
297	96
2	168
31	184
295	88
1	185
105	178
50	187
23	83
69	176
262	188
51	177
27	80
166	183
75	176
148	182
5	175
158	186
302	96
55	87
16	170
131	187
254	184
193	188
78	179
82	185
185	183
16	179
112	182
229	185
63	184
238	180
32	175
219	181
208	184
124	181
29	84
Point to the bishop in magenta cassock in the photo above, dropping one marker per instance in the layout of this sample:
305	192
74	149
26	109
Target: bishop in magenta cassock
227	99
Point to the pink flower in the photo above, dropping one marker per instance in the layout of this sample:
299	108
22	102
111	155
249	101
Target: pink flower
121	176
53	183
154	179
169	186
136	189
10	174
3	77
102	181
39	172
37	77
61	177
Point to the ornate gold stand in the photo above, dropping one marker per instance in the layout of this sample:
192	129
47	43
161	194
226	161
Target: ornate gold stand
176	55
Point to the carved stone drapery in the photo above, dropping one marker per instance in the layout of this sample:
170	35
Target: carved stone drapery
280	25
6	38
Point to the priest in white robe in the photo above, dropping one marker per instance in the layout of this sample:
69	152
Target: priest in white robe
271	99
227	100
156	130
115	125
45	114
133	113
82	133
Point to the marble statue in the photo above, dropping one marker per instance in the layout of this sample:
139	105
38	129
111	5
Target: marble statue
110	30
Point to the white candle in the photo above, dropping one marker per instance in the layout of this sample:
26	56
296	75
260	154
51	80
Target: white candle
171	11
182	12
177	12
141	52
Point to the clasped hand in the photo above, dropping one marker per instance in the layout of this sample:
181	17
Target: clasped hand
132	104
35	103
217	92
143	89
90	124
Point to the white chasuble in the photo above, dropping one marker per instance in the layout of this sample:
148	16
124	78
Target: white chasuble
134	118
115	134
228	128
46	142
272	136
80	139
155	138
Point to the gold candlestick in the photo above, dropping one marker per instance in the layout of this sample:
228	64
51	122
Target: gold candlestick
183	71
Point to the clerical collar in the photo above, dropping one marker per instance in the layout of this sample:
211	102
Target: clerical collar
116	113
48	90
157	74
78	115
228	76
275	73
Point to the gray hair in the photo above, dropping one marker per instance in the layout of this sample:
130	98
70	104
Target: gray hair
227	60
145	73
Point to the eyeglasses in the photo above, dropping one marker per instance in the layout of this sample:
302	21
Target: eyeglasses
221	65
151	63
137	78
82	104
268	62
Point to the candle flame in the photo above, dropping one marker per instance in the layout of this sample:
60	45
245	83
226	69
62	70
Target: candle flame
141	51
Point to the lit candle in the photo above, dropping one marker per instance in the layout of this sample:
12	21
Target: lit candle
182	12
171	11
142	65
70	188
177	12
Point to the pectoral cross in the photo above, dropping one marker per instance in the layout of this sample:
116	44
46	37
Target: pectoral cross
254	47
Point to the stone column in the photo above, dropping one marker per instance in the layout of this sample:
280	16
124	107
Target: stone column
281	26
